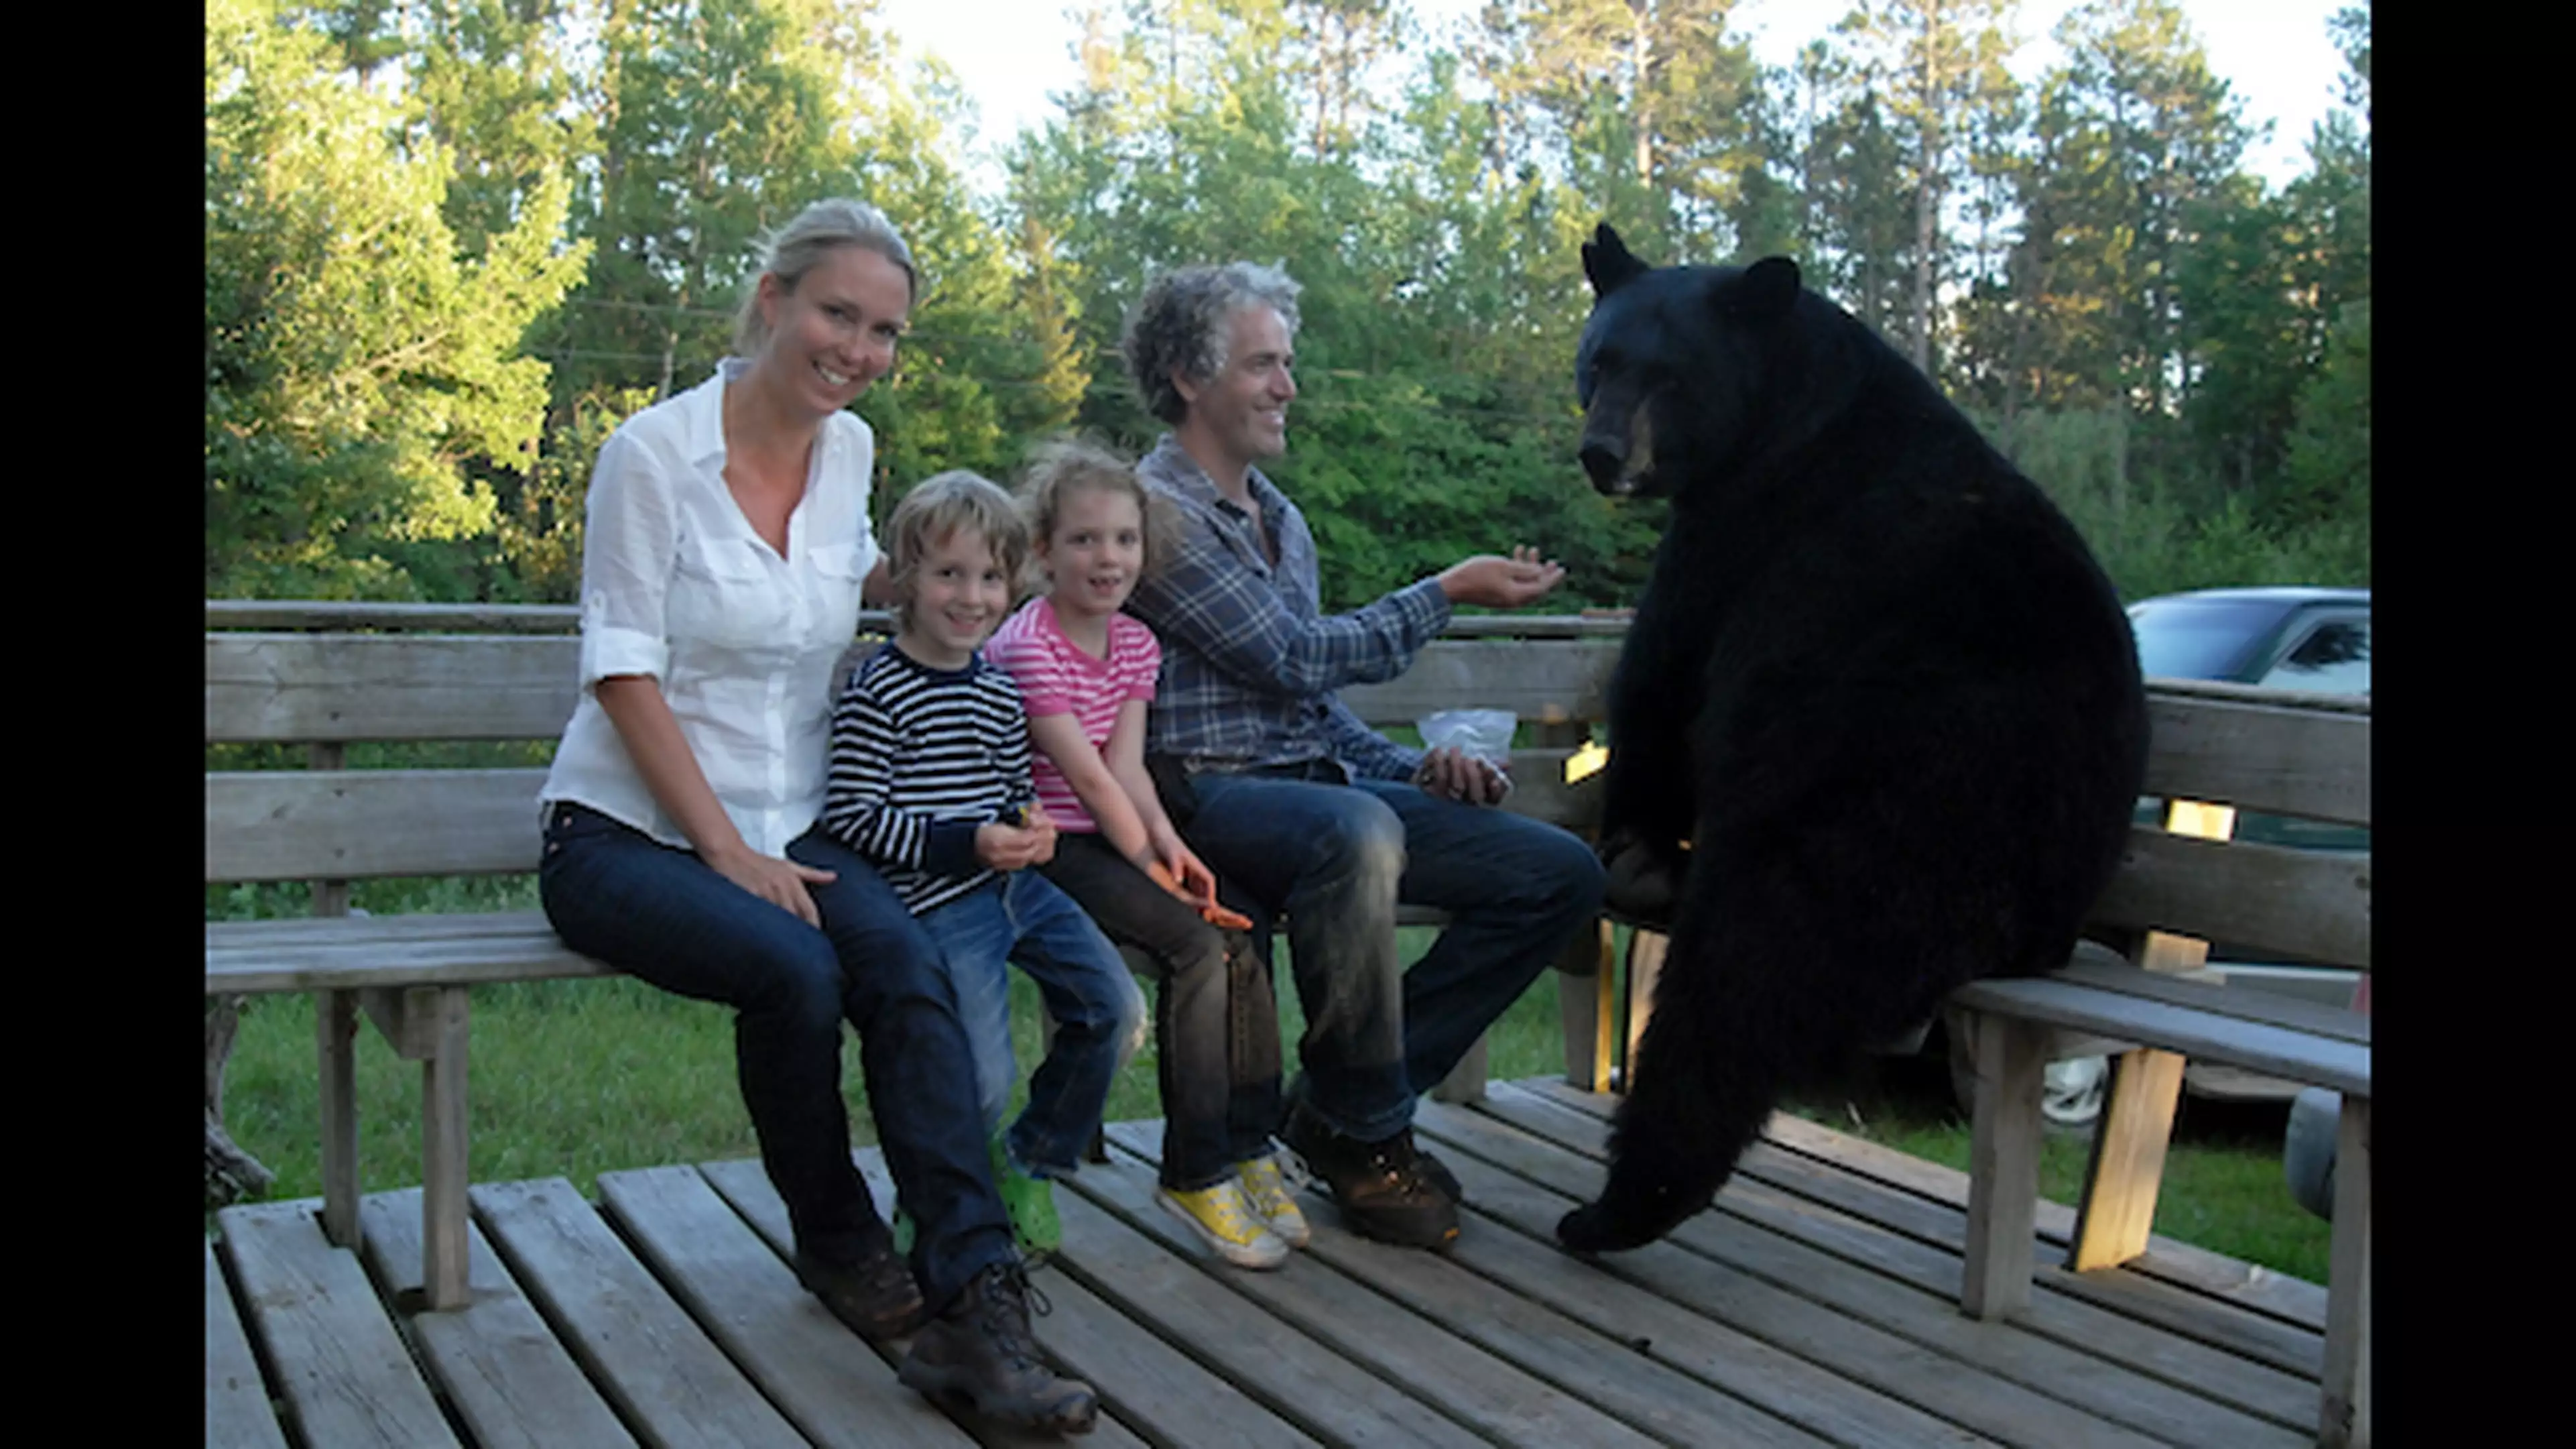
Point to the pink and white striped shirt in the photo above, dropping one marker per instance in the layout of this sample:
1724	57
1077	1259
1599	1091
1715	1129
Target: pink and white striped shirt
1057	677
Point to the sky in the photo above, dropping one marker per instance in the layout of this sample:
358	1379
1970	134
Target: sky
1012	54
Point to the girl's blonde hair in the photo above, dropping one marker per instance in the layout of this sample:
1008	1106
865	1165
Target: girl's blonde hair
1061	467
937	507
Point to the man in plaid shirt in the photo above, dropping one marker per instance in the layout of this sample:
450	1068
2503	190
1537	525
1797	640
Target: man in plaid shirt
1288	796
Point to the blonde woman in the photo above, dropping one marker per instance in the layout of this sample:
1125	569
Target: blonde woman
727	550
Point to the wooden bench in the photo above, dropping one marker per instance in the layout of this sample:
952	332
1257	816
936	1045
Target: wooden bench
331	825
2215	749
325	677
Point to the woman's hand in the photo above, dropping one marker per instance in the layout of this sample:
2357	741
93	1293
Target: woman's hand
780	882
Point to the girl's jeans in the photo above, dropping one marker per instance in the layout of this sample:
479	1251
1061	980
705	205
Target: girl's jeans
1216	1023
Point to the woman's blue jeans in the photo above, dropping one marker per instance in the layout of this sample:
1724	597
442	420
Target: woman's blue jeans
666	917
1019	916
1337	859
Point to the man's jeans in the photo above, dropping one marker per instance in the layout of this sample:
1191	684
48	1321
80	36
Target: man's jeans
1019	916
667	917
1337	859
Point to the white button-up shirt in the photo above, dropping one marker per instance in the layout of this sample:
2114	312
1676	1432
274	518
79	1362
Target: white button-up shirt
676	584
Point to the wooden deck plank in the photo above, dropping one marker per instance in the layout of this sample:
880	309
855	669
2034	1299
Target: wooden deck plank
1705	1347
2284	1347
1416	1338
1147	1382
1301	1379
669	1381
498	1364
2285	1398
2255	1363
1248	1368
340	1363
238	1415
1530	1182
1522	1316
743	1184
2227	1280
828	1382
1996	1377
1816	1304
2158	1301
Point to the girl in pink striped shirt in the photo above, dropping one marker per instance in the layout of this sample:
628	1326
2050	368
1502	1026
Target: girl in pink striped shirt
1086	673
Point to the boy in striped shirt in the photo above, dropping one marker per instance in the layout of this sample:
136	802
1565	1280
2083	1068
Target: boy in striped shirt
930	779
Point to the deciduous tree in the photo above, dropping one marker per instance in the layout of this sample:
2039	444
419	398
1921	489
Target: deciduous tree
358	361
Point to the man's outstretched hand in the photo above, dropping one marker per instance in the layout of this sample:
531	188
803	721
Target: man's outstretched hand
1497	582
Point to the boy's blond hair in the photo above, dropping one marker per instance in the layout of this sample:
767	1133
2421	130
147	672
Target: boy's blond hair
937	507
1062	466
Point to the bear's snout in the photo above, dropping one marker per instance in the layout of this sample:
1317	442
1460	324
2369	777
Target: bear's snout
1602	462
1618	445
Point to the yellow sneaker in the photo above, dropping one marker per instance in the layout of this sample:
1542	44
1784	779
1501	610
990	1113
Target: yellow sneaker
1267	1192
1226	1224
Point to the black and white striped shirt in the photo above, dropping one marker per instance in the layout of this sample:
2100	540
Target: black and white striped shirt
920	758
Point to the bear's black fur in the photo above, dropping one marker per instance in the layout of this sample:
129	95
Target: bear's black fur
1877	728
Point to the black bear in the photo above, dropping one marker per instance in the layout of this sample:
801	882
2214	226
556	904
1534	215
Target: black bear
1877	728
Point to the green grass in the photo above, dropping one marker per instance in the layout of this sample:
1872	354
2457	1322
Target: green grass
576	1078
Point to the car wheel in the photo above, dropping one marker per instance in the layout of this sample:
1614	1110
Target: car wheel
2070	1093
2308	1149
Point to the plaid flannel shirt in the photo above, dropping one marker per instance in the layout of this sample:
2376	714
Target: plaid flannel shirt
1250	664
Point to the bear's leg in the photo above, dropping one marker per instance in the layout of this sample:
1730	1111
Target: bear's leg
1747	1006
1648	788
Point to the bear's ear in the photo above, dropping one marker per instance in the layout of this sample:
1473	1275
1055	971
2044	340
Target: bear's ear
1607	263
1765	292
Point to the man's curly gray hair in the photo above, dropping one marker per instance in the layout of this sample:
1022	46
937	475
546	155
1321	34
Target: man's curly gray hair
1179	325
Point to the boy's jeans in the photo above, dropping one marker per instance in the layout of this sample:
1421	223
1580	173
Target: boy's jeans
1099	1013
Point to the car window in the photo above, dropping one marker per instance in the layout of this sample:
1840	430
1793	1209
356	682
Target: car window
2198	638
2333	659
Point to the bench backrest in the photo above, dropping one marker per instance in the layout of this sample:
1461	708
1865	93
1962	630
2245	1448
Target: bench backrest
408	683
2257	750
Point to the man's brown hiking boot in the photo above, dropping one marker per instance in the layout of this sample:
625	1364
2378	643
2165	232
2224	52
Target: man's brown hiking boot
979	1352
1381	1187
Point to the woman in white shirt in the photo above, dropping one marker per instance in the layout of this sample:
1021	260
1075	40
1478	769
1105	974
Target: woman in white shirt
727	549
